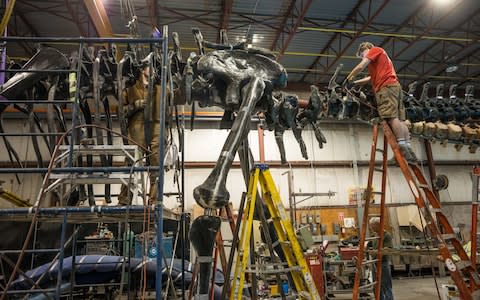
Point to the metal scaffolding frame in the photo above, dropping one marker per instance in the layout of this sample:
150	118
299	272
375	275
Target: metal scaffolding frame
94	214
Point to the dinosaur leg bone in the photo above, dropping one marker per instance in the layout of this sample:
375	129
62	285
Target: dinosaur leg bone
213	193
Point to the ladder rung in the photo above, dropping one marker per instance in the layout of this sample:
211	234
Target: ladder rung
476	280
374	215
379	150
463	264
435	210
369	262
372	238
449	236
377	193
476	294
273	271
423	186
379	169
367	285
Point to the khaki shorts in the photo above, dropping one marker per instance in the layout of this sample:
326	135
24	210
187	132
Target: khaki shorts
389	102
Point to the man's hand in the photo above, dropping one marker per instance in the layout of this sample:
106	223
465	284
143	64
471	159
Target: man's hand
130	109
140	104
348	84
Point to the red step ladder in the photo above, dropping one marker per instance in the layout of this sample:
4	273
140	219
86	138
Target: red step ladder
463	272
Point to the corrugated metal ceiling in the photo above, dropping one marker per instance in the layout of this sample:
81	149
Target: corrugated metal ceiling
260	20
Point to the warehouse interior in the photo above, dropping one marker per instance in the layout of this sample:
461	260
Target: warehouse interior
228	149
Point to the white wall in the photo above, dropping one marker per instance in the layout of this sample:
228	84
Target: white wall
204	145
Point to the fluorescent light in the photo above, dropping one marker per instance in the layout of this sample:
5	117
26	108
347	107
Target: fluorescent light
443	2
451	69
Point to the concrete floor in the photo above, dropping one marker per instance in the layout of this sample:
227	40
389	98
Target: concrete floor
408	288
417	288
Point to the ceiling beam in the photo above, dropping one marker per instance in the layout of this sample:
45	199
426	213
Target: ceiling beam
152	13
334	37
283	24
359	32
468	78
13	30
429	48
29	50
27	22
440	68
75	18
405	22
188	17
99	17
427	30
48	11
294	28
225	18
256	21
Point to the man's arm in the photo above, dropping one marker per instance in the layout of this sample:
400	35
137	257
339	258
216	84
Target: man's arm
362	81
358	68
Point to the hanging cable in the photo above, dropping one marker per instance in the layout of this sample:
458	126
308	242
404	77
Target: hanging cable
7	15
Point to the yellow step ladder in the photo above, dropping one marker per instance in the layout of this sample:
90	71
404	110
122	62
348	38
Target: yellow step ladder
297	265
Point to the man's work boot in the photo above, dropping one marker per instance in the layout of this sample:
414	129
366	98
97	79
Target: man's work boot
407	153
413	157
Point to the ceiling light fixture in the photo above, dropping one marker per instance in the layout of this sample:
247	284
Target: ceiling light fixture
443	2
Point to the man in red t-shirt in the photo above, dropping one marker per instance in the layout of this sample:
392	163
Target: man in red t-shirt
388	92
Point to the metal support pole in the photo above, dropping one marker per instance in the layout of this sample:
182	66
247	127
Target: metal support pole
62	254
161	150
261	143
76	102
183	220
291	199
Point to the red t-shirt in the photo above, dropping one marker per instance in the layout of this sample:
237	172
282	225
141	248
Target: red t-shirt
380	68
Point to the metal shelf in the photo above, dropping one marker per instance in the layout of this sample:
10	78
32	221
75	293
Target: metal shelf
85	214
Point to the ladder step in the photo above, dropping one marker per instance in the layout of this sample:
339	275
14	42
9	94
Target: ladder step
377	193
372	238
449	236
374	215
476	294
463	264
369	262
423	186
379	150
476	280
379	170
362	287
272	271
